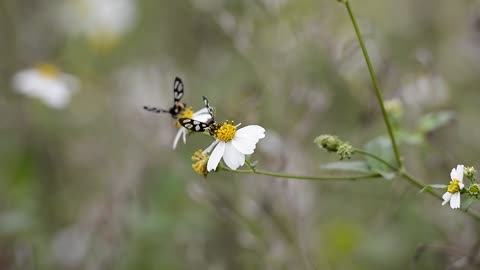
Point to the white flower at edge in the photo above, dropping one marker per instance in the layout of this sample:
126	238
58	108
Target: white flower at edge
232	145
201	115
46	83
453	192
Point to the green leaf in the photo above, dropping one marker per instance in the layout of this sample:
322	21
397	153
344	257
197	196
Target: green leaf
382	147
430	187
434	121
353	166
467	203
412	138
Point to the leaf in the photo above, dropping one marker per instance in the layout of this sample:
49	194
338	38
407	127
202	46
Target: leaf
382	147
430	187
467	203
353	166
432	121
412	138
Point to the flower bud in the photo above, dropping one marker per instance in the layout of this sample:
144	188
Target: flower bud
469	172
345	150
474	190
329	142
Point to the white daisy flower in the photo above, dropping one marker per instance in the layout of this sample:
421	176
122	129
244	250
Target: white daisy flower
232	145
453	191
201	115
103	22
46	83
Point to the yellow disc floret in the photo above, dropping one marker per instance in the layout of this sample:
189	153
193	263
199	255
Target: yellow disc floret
200	166
454	186
226	131
47	70
186	113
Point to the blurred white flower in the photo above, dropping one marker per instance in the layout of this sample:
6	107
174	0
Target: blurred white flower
201	115
454	188
232	145
424	90
102	22
46	83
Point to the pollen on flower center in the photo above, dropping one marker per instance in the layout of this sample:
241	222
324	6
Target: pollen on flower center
47	70
187	113
226	132
454	186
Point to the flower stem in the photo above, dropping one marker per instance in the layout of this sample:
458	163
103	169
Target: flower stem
378	93
305	177
365	153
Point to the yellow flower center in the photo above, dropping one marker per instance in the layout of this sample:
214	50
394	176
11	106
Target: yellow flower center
200	166
454	186
226	131
47	70
186	113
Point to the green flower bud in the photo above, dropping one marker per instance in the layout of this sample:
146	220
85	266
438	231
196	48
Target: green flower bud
474	190
329	142
469	172
345	150
394	110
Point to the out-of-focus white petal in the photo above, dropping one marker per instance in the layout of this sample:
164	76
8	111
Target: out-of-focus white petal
460	172
54	91
446	197
455	200
177	137
216	156
232	157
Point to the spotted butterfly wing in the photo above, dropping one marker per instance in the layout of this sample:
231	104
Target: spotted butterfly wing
210	109
177	91
193	125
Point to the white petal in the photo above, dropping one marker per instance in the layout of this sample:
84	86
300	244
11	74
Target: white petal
184	135
177	137
216	156
210	147
253	132
455	201
453	173
244	145
200	112
202	117
446	197
461	185
460	172
232	157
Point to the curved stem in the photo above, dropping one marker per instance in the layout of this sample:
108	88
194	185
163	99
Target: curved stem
304	177
378	93
365	153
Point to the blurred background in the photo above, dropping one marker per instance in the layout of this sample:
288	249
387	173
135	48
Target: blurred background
89	180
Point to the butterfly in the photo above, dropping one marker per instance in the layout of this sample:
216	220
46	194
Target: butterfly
197	126
178	106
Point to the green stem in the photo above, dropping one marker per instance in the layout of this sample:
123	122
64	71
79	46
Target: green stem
365	153
304	177
419	184
375	84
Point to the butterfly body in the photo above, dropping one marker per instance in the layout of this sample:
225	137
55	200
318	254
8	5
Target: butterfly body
197	126
178	107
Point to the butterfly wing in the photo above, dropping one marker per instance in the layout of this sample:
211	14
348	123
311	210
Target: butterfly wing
193	125
178	89
155	109
210	109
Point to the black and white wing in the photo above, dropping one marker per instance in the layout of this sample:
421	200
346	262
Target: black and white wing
193	125
210	109
178	89
155	109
